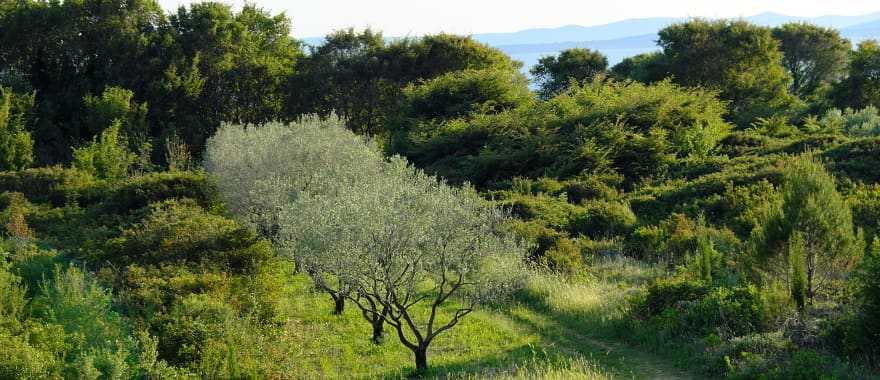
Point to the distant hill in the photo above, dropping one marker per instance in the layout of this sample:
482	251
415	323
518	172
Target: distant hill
626	38
616	30
640	27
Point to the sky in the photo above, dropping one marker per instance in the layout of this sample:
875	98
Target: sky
313	18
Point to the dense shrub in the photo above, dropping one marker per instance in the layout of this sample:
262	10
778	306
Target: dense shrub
727	311
138	192
670	293
55	185
858	123
460	93
582	189
183	232
16	144
864	329
865	203
107	156
65	329
563	256
603	219
553	212
859	160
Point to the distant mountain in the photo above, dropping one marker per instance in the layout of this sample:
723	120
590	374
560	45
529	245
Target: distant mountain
640	27
616	30
626	38
862	31
856	28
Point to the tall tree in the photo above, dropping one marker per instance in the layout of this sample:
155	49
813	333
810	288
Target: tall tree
861	88
361	77
224	66
344	75
554	73
814	56
742	60
66	50
646	68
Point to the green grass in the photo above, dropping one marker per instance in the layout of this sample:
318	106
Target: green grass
553	330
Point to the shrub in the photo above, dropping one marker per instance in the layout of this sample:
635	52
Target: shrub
582	189
859	123
859	160
550	211
192	321
181	231
564	256
90	338
55	185
670	293
139	192
460	93
867	280
603	219
728	311
107	156
16	144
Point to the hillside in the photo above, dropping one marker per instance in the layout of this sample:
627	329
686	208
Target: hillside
196	194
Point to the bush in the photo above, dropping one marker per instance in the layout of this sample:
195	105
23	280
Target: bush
864	122
603	219
107	156
867	280
671	293
55	185
182	232
550	211
192	321
460	93
139	192
564	256
727	311
859	160
16	144
865	203
583	189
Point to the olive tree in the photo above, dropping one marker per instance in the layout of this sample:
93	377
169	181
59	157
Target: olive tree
419	254
264	172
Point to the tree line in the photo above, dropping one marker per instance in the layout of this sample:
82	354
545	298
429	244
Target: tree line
69	69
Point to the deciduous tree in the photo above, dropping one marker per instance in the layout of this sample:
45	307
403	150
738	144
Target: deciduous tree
814	56
554	73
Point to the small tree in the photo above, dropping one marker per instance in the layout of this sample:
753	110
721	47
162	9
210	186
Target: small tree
797	270
421	245
16	145
867	281
107	156
812	208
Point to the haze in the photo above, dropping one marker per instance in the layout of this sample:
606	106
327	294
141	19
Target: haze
403	17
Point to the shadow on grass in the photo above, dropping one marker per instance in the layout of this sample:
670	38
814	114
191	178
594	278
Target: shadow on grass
612	344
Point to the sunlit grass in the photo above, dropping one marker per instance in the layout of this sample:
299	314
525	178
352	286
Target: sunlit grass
546	333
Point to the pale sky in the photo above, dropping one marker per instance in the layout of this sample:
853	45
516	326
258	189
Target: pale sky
416	17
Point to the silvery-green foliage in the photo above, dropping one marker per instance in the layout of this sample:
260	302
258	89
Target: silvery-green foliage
861	123
406	241
270	175
262	170
386	235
